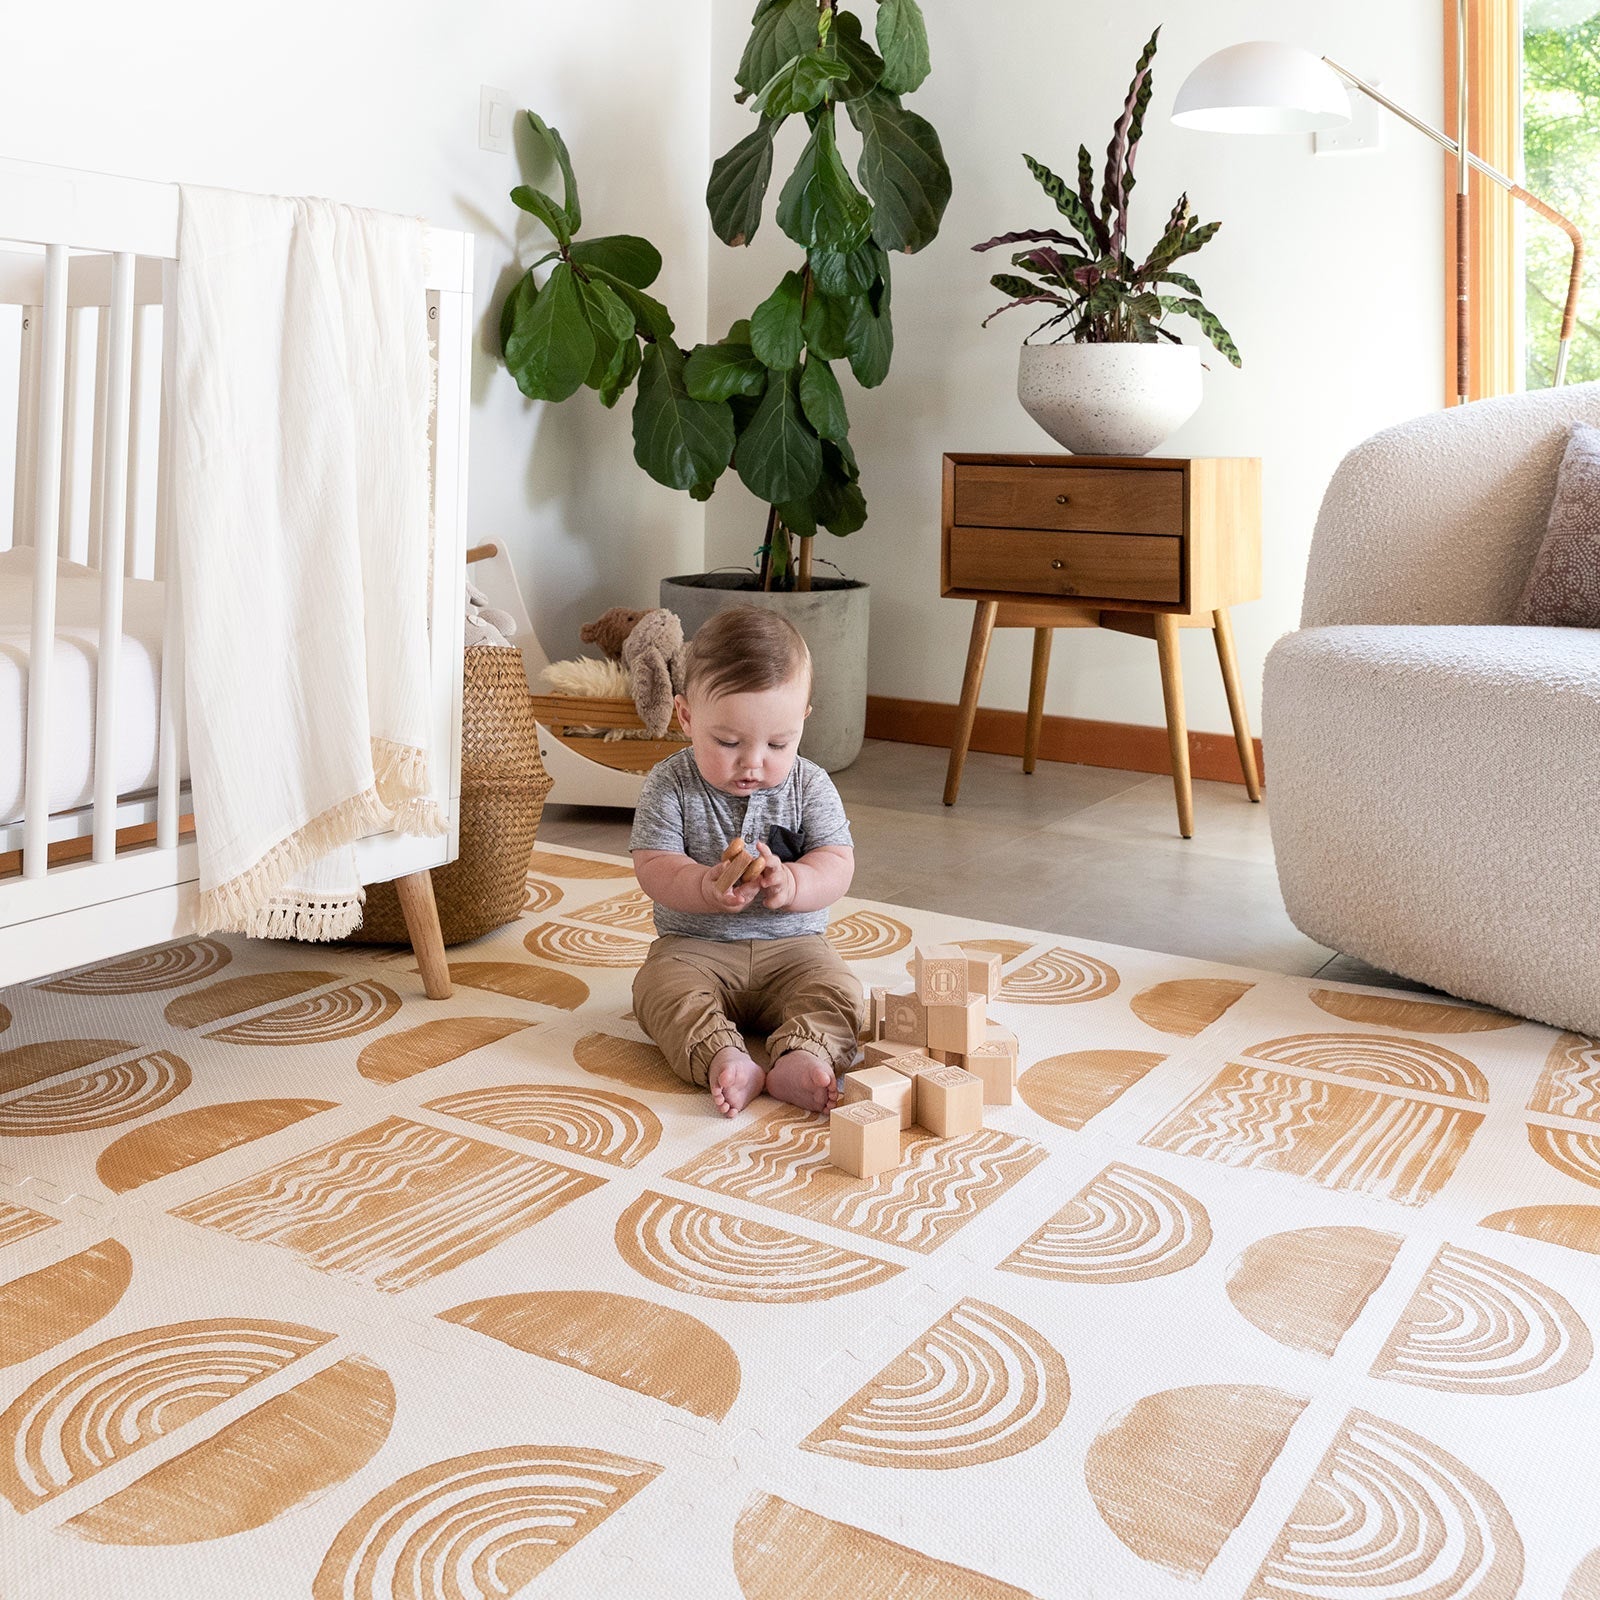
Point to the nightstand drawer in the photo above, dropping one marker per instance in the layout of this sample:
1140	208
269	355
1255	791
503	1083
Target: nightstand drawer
1093	499
1097	566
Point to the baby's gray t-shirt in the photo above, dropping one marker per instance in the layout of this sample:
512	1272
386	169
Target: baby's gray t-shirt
679	811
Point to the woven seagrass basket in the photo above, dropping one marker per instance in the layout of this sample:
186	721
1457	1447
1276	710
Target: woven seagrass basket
503	786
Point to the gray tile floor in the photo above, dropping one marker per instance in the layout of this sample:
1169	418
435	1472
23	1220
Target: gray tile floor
1081	851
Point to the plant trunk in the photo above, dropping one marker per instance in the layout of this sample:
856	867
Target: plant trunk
803	581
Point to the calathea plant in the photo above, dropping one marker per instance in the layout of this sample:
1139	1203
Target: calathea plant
1099	292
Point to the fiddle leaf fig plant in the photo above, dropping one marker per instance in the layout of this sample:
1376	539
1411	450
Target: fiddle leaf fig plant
1097	289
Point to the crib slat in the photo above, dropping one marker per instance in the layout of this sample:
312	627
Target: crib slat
27	428
169	767
97	437
133	564
71	429
112	534
46	530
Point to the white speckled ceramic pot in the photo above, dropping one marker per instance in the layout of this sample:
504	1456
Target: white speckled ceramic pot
1109	399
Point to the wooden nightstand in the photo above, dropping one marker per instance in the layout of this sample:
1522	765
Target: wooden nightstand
1141	545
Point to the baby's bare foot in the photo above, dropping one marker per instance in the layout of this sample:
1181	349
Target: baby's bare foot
803	1080
735	1080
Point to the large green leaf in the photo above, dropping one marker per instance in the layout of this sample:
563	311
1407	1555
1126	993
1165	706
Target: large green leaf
623	255
822	400
903	41
778	33
678	440
903	168
800	84
864	66
819	205
551	347
610	321
540	205
779	456
1214	331
845	272
518	303
798	517
719	371
558	148
649	314
869	341
623	370
1068	201
826	325
837	502
775	325
738	186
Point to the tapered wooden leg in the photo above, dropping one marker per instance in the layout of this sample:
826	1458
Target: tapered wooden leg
977	659
1222	632
1177	732
1036	682
422	924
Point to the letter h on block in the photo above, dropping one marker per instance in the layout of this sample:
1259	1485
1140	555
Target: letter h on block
941	974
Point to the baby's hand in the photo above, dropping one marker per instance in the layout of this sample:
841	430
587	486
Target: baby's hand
736	899
777	882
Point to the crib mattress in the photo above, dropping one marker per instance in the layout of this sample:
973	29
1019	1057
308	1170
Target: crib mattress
76	665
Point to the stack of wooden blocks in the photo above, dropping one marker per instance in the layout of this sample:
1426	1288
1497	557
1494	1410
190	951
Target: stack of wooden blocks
933	1059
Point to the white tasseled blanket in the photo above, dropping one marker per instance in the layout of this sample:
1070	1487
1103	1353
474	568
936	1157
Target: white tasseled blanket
300	502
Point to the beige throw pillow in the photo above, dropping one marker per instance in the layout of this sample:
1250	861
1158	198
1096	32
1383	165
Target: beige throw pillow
1563	589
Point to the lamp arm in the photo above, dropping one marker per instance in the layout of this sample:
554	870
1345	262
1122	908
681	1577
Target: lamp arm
1569	314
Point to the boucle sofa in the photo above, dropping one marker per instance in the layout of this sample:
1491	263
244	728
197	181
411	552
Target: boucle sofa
1435	772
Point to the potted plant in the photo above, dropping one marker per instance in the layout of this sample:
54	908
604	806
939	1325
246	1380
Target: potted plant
765	399
1114	380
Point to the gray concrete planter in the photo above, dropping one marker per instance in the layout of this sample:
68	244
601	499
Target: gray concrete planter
832	619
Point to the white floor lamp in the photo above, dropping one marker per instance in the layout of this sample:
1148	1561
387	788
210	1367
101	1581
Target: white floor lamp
1268	87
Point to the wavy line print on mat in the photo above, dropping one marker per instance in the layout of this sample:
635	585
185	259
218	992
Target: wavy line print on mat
1569	1086
557	864
1576	1154
1187	1006
781	1160
540	895
340	1013
99	1099
1419	1016
483	1525
865	935
1477	1326
27	1064
393	1205
146	973
636	1344
632	911
188	1137
523	980
1573	1227
405	1053
1379	1058
286	1453
590	1122
576	946
18	1223
1174	1474
1123	1226
1306	1287
1059	977
1072	1089
978	1386
784	1552
634	1062
696	1250
1331	1134
245	991
1389	1513
103	1403
45	1308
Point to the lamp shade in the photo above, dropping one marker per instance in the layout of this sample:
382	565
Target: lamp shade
1262	87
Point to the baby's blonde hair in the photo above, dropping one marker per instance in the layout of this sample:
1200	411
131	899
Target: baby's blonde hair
744	650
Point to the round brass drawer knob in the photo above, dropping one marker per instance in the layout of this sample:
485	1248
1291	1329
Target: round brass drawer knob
1061	499
1056	566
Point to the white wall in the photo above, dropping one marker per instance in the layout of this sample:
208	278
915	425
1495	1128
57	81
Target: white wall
1328	272
377	104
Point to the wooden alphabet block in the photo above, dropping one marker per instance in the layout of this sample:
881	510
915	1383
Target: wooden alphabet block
983	973
948	1058
882	1052
957	1025
864	1138
949	1102
883	1086
905	1019
1000	1042
939	973
876	1001
997	1074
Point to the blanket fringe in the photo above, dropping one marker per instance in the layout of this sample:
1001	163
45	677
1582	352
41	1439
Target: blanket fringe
402	785
312	920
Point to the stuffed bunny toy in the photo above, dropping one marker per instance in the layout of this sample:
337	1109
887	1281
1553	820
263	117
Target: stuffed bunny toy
653	653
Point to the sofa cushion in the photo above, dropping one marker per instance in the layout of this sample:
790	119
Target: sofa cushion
1563	587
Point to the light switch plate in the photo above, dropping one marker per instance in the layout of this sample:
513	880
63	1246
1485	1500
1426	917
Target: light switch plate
495	111
1363	132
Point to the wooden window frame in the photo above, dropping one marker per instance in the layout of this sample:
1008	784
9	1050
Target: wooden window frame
1494	135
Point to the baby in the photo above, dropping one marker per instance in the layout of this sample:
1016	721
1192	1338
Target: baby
755	955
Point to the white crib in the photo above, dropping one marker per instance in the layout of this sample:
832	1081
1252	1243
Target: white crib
88	267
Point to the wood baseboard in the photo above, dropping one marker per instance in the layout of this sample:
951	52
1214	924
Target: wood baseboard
1130	746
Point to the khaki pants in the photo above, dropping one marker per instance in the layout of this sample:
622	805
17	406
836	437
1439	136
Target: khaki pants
692	996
